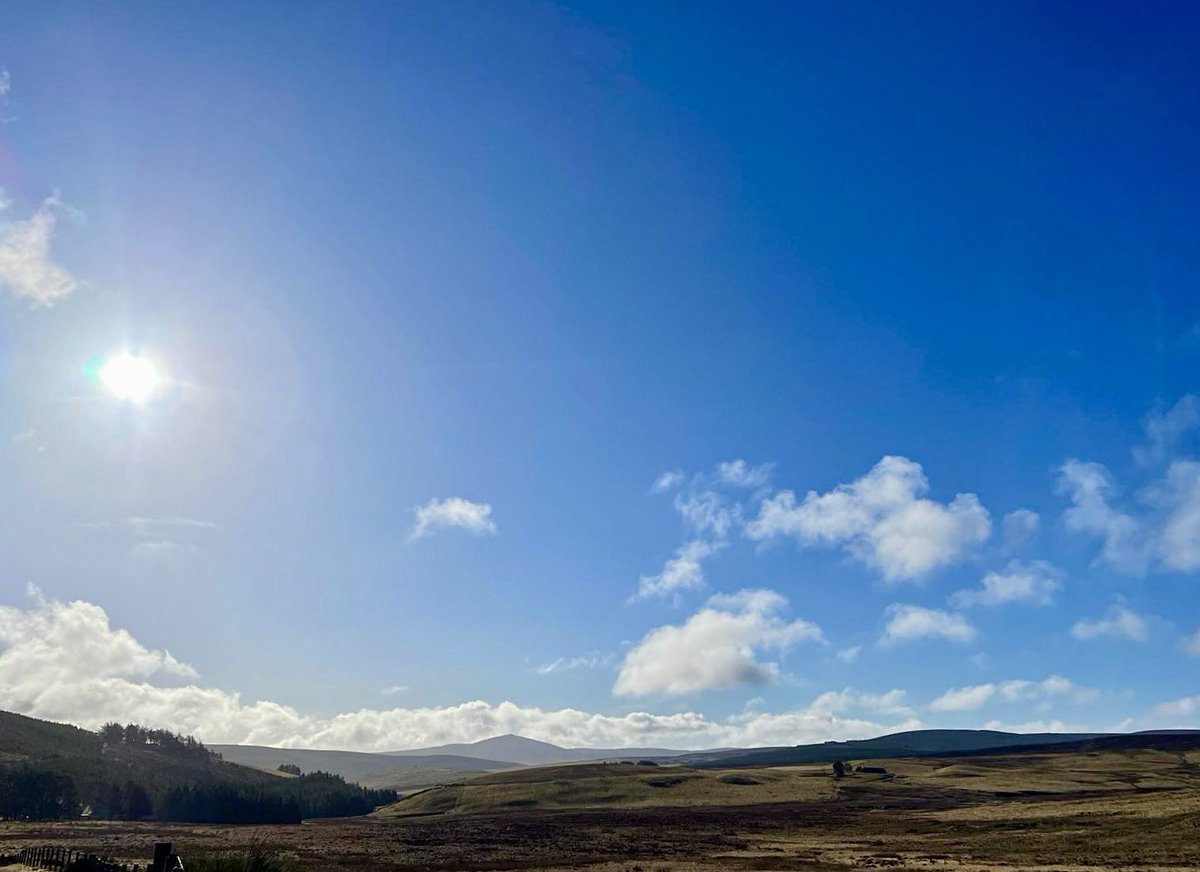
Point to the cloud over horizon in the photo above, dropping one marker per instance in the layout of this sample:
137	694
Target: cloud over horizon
65	662
1014	690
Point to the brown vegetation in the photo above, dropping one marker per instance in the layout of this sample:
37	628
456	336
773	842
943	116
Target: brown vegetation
1137	809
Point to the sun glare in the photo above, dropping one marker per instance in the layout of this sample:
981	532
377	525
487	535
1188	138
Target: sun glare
131	378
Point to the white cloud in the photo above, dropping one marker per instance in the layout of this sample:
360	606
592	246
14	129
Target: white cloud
56	647
849	655
909	623
1118	623
1192	644
1035	582
1020	528
454	512
5	88
883	520
741	474
26	267
1166	535
959	699
708	512
1165	430
836	701
708	519
394	689
1016	690
1054	726
567	664
1183	713
716	647
667	481
64	662
684	571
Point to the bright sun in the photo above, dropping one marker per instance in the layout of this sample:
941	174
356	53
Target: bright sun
131	378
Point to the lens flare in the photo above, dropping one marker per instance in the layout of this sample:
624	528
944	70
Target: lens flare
131	378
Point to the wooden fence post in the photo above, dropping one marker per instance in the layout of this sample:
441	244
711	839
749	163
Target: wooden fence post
162	854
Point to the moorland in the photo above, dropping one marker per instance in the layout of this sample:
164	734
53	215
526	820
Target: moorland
1107	802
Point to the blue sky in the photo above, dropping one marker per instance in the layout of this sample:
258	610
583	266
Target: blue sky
608	373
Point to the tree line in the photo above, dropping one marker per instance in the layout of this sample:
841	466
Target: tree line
135	736
202	790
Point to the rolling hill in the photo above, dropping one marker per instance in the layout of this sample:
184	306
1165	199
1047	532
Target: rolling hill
92	764
618	785
531	752
913	743
1079	767
369	770
50	770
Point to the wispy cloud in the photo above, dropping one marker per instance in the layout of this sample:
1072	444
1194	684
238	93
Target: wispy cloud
453	512
5	88
684	571
1118	623
27	269
394	689
1165	535
739	473
145	525
1014	690
908	623
1051	726
1182	713
667	481
849	655
1020	528
709	517
883	519
1166	430
595	660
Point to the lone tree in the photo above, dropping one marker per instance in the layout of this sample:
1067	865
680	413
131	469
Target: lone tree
839	769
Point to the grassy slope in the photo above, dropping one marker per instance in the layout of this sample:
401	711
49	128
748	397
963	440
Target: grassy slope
1111	765
615	785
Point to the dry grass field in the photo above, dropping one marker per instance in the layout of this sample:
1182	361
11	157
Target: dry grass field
1068	812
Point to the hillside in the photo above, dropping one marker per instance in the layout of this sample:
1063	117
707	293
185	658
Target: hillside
913	743
531	752
50	770
614	785
1083	767
369	770
93	765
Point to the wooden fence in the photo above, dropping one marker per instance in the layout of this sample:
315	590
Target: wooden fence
65	860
